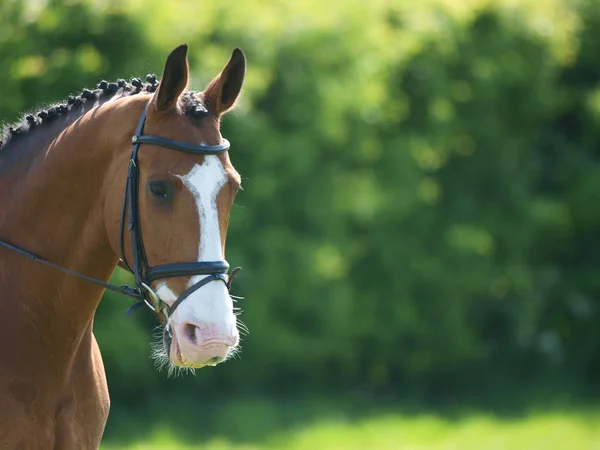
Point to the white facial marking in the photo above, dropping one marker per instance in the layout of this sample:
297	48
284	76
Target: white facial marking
204	182
211	304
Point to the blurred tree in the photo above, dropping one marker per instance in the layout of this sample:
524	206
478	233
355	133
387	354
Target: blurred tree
421	182
49	49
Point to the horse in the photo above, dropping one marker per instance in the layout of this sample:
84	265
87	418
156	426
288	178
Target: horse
131	173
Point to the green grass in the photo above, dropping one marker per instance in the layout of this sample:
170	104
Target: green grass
386	431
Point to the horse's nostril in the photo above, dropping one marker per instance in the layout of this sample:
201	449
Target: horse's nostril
189	331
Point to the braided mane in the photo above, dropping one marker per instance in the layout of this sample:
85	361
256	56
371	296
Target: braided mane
189	102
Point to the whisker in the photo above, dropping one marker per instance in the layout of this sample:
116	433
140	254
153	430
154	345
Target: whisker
161	360
242	328
233	353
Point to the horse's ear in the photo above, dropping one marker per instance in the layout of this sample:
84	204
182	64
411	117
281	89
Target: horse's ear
222	92
174	79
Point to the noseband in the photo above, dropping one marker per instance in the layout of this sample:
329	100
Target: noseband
143	274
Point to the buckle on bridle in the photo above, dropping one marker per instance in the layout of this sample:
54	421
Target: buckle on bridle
152	295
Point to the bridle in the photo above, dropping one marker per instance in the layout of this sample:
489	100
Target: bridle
143	274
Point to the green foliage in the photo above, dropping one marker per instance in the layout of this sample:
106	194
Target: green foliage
421	183
54	48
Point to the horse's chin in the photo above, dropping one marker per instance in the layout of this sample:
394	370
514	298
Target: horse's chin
173	351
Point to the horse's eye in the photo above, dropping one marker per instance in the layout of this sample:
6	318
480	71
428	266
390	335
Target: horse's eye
159	189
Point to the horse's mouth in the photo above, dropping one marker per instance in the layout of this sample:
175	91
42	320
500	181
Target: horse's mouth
174	353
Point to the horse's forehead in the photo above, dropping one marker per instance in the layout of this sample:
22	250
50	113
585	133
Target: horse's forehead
180	125
163	162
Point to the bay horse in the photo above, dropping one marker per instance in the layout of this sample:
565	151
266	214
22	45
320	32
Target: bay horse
135	173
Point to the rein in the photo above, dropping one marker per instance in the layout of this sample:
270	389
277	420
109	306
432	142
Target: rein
125	290
143	274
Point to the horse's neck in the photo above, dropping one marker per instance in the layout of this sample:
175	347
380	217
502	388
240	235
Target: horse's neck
55	210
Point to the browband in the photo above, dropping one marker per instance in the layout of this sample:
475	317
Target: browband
200	149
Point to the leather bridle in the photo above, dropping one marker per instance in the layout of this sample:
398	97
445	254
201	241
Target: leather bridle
143	274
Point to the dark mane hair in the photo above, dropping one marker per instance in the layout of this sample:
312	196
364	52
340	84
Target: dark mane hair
189	103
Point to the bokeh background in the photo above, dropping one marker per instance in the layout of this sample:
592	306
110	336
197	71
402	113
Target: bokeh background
419	229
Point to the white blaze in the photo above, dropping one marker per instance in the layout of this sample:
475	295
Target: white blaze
210	305
205	181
